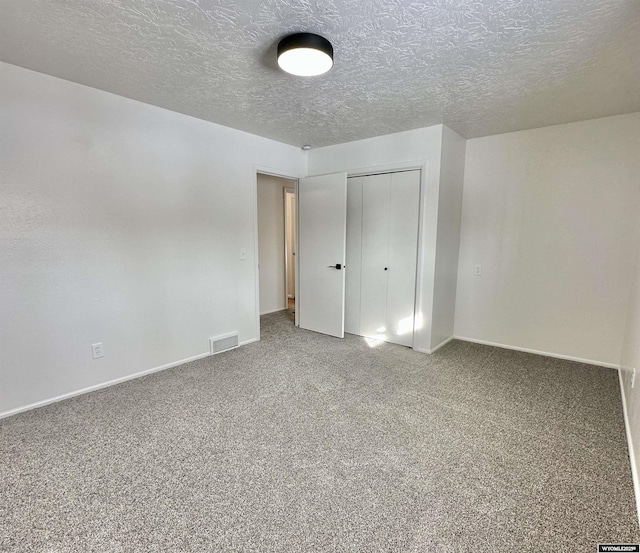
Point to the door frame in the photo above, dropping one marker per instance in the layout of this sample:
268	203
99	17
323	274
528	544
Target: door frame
270	171
285	193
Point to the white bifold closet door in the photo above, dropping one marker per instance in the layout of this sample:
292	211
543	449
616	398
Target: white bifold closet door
382	247
375	256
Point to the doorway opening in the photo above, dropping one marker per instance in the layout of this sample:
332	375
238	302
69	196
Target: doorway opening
276	207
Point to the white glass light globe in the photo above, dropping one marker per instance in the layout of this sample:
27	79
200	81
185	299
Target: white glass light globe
305	62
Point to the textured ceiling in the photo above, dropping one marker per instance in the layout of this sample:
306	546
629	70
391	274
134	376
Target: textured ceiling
480	66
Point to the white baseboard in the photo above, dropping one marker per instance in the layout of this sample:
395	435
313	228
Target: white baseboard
69	395
100	386
274	311
632	456
538	352
441	344
433	350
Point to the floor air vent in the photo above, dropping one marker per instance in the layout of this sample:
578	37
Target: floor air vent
223	343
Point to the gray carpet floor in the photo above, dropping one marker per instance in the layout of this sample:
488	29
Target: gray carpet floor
303	442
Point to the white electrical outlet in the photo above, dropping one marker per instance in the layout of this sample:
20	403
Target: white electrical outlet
96	350
633	377
477	270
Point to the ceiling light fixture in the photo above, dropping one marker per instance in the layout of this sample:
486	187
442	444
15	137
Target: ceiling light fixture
305	54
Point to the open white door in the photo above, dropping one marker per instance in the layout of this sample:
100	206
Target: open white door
322	228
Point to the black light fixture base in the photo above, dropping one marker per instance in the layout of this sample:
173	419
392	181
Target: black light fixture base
305	40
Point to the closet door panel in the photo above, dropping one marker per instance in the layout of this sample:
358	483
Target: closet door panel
404	202
375	249
354	255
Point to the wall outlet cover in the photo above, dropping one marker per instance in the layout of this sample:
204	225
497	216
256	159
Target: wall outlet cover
97	351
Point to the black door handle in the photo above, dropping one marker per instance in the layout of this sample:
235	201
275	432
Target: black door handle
336	266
